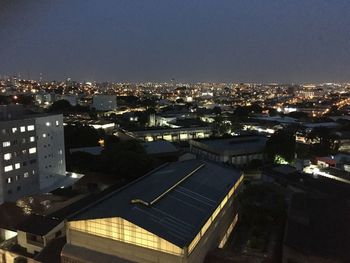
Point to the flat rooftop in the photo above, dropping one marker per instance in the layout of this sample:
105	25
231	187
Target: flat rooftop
159	147
234	145
172	202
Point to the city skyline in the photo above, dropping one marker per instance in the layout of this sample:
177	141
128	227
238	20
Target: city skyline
196	41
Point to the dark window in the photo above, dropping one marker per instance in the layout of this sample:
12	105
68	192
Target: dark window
58	234
34	239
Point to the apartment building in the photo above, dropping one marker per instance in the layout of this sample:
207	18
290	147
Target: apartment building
32	155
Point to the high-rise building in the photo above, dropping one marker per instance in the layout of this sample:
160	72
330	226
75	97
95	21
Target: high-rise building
32	155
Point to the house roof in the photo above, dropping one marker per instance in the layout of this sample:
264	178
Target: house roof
38	225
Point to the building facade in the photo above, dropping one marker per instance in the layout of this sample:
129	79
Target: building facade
172	135
238	151
154	225
32	154
19	172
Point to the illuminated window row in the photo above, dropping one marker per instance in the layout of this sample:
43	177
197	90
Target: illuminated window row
213	216
21	129
8	143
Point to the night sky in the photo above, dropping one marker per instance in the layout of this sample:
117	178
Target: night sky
204	40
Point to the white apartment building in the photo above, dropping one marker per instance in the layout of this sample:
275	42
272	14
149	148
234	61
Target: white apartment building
19	174
32	155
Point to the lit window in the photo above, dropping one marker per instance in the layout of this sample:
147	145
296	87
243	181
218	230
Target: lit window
9	180
26	175
32	150
33	172
48	123
57	123
17	165
44	135
60	152
23	128
8	168
7	156
14	130
23	140
32	139
30	127
4	131
6	144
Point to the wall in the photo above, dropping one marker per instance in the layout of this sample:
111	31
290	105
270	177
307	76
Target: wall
51	151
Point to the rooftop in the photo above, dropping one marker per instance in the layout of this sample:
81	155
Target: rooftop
11	216
38	225
159	147
233	145
162	200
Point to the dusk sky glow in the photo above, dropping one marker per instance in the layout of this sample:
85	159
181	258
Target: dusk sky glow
203	40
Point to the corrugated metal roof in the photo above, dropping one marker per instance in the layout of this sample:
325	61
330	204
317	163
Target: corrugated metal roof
177	199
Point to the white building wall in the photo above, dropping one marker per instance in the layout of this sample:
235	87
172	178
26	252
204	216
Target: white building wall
51	152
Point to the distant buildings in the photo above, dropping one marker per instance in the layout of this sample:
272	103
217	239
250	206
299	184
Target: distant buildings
238	151
176	213
104	102
172	135
32	152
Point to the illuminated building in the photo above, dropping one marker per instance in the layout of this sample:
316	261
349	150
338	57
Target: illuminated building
32	152
173	135
238	151
176	213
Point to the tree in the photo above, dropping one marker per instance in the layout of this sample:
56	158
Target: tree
81	136
298	115
282	143
180	101
60	106
127	159
216	110
327	141
221	126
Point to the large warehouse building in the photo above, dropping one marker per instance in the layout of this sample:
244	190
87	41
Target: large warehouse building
176	213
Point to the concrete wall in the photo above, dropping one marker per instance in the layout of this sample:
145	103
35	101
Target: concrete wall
119	249
51	152
215	233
